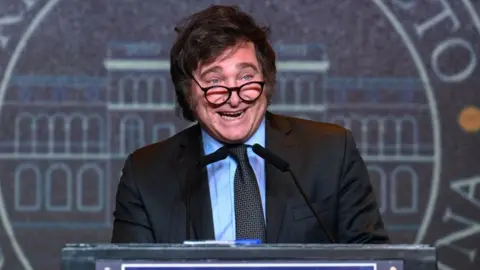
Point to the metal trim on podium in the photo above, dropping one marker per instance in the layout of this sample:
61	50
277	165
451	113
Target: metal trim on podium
112	256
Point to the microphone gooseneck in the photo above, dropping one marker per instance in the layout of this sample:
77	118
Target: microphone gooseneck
269	156
218	155
283	166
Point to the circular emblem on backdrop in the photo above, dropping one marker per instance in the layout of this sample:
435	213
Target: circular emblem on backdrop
447	60
70	115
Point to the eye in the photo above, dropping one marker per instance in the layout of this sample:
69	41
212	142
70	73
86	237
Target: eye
214	81
247	77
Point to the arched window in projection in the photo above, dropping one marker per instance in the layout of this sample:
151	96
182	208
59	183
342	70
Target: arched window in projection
27	188
407	135
127	90
404	190
33	133
144	89
132	133
306	88
58	188
25	133
86	133
372	135
94	138
281	89
158	92
90	189
61	125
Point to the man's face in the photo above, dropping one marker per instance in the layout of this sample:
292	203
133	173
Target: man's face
235	120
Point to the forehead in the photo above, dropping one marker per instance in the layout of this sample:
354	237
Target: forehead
236	58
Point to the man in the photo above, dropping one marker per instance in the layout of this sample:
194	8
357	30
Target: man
223	70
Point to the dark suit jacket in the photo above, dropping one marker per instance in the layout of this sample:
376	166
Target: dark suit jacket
150	205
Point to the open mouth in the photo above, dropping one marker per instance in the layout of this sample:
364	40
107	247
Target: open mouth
232	115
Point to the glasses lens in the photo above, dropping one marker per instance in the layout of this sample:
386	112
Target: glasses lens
216	95
250	91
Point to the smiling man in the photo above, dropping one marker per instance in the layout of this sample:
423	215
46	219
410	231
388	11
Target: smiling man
223	70
228	100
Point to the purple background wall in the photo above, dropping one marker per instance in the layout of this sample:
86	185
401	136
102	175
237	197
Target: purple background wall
84	82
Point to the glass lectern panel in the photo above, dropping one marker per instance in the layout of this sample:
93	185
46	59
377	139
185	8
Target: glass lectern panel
266	265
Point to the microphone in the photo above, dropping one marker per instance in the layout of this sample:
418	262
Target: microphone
270	157
218	155
283	166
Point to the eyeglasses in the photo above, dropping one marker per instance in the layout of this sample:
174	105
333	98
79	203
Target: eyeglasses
219	94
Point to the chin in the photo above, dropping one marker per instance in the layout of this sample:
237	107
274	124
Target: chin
233	129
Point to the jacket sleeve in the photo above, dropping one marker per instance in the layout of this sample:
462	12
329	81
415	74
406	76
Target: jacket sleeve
359	219
131	223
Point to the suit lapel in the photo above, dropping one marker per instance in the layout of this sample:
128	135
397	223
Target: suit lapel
200	205
278	184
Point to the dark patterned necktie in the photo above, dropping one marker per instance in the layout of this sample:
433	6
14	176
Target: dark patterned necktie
249	219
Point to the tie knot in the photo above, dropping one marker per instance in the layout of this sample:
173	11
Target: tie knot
239	152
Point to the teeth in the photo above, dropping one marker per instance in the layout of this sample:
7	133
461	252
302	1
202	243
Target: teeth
231	115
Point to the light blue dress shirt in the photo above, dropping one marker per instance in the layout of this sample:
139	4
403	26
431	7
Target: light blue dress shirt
220	181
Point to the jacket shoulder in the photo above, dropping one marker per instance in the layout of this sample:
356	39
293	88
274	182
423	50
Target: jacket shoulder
163	150
319	137
317	129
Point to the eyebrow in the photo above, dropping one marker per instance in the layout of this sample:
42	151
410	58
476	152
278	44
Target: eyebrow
241	65
244	65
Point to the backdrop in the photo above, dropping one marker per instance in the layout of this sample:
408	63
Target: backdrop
85	82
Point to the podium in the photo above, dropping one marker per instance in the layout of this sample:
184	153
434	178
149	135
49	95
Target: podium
247	257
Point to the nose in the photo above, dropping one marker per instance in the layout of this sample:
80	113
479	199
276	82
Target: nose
234	99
